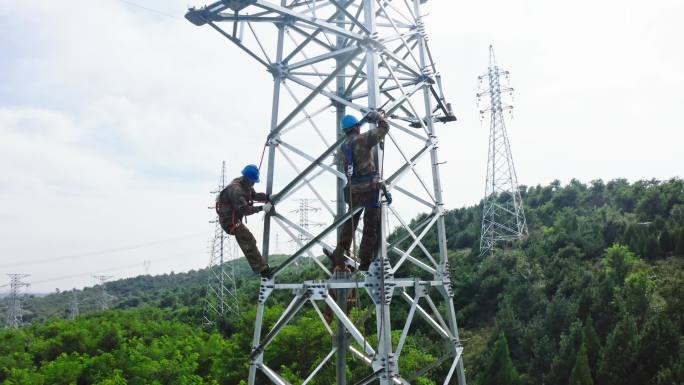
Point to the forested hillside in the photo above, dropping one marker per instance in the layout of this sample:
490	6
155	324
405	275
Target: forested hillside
595	295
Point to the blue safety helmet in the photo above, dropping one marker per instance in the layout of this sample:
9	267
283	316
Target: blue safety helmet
251	172
348	122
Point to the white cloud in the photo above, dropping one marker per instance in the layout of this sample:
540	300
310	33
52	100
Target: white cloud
114	119
43	152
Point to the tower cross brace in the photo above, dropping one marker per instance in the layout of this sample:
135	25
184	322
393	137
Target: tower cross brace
327	59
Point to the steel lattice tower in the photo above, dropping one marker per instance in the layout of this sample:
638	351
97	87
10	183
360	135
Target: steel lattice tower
221	297
329	58
503	217
103	300
73	305
305	208
15	312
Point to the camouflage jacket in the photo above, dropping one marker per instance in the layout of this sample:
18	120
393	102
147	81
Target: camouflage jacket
237	198
362	156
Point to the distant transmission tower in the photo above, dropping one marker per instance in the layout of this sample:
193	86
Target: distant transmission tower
503	217
146	265
305	208
73	305
15	312
103	301
221	296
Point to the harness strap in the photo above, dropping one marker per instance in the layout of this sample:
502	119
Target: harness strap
234	225
349	154
363	178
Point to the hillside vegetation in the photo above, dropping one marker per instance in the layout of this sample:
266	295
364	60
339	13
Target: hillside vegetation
595	295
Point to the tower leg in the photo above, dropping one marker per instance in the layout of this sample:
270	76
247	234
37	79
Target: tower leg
255	342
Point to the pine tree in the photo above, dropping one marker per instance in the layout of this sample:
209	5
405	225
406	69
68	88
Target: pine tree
679	245
651	248
620	354
666	242
593	345
499	369
581	374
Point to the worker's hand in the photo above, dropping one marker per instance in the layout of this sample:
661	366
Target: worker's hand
268	207
373	116
258	209
388	197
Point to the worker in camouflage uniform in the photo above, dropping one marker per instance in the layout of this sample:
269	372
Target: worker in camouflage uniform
237	201
363	188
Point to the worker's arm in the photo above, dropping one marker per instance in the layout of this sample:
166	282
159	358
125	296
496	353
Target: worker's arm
260	197
240	203
376	135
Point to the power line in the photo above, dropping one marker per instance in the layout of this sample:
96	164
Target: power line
132	4
60	278
99	252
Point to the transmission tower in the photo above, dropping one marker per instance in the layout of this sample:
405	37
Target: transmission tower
221	295
73	305
503	217
15	312
305	208
146	265
103	300
329	58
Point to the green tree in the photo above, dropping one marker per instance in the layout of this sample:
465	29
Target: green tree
499	369
593	345
636	295
679	244
618	262
115	379
620	354
651	248
581	373
568	347
666	242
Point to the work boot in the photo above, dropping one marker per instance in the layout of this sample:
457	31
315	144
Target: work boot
341	269
364	265
266	272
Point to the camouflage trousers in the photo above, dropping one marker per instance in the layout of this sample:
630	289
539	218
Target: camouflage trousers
371	229
247	243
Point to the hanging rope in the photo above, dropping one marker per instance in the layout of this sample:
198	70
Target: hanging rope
263	152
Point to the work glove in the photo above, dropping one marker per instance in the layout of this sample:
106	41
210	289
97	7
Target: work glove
388	197
373	116
267	207
258	209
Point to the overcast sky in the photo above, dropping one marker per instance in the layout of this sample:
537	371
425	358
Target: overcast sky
114	119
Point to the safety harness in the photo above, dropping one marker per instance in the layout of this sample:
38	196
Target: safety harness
222	208
355	179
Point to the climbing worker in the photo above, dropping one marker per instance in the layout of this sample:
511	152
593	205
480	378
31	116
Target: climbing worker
362	189
237	201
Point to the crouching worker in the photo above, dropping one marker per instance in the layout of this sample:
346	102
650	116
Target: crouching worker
363	188
237	201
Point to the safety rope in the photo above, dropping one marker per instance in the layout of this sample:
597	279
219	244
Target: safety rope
263	152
